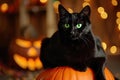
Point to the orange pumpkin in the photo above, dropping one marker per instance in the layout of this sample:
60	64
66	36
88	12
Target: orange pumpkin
24	54
67	73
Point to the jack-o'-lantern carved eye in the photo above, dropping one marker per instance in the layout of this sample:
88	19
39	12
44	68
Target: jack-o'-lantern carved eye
37	44
23	43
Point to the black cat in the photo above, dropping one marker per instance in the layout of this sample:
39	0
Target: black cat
74	44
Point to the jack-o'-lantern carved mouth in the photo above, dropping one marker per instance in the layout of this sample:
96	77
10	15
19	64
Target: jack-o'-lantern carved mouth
30	63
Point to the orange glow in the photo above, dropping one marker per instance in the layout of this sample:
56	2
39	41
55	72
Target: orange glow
32	52
38	63
37	44
31	64
23	43
4	7
21	61
43	1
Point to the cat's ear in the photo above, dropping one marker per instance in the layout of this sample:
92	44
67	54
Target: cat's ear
62	11
86	10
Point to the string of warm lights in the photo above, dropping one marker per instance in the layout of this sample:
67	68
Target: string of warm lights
113	49
102	13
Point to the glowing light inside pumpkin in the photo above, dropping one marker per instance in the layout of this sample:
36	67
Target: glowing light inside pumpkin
31	64
32	52
113	49
4	7
38	63
23	43
24	63
37	44
21	61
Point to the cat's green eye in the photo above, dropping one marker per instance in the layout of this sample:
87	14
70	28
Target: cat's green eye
79	25
67	25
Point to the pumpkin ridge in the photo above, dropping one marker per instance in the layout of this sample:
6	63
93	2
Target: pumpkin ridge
68	73
60	74
64	74
108	74
55	71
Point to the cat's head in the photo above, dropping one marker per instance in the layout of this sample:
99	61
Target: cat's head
73	26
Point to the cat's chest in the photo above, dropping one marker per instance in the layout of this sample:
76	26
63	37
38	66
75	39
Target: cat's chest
75	49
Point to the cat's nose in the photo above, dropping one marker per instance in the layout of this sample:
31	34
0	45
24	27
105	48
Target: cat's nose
73	36
72	32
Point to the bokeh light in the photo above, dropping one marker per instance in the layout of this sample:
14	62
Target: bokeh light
85	4
70	10
118	26
43	1
114	2
55	5
118	20
4	7
104	15
113	49
100	10
87	0
104	45
118	14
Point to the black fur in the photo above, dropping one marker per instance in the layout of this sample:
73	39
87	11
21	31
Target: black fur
74	44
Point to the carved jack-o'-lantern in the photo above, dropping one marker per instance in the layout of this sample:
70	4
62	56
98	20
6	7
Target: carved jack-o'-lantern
25	53
25	47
